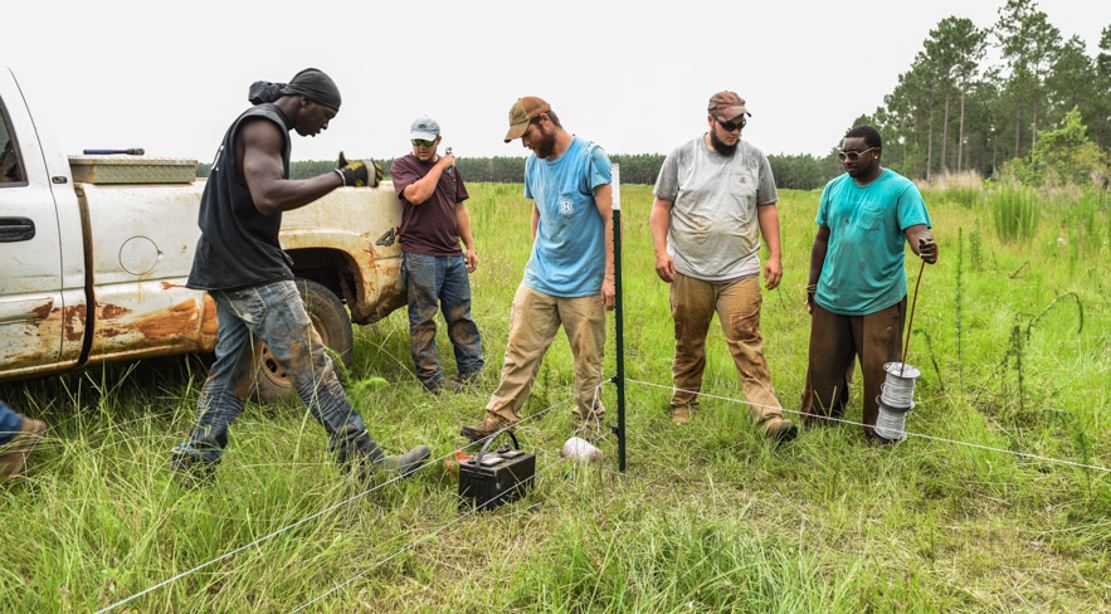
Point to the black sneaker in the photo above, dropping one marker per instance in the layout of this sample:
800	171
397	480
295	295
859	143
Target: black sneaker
782	433
190	470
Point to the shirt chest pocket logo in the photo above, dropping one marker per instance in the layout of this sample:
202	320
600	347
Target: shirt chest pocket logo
566	206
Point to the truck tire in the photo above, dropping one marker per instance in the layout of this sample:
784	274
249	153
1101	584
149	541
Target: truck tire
332	323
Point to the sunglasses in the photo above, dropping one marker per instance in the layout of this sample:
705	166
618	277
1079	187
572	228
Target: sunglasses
422	143
731	126
852	156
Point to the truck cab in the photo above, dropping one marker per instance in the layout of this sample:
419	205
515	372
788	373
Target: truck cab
95	252
43	301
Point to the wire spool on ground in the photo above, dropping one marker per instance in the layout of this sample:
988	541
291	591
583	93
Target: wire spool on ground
895	401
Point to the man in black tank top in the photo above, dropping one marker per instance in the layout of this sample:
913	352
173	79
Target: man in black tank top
239	261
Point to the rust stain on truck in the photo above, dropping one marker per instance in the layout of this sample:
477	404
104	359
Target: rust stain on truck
209	323
74	319
180	319
43	311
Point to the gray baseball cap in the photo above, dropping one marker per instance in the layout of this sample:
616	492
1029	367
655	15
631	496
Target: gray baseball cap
424	128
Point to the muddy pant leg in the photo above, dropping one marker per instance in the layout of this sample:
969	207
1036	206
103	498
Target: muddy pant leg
584	321
225	389
692	308
423	280
832	350
533	323
455	300
880	338
738	307
285	326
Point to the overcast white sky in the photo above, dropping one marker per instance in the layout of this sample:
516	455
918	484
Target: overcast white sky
633	76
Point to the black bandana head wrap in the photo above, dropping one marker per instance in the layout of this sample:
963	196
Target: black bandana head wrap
310	83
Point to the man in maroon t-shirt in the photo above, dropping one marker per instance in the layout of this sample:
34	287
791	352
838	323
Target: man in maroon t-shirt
436	271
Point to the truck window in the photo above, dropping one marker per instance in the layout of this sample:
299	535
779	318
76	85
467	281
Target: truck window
11	170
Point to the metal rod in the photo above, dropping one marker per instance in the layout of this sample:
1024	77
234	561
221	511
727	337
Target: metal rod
618	318
910	323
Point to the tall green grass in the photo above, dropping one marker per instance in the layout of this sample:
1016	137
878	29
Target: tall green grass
707	518
1015	211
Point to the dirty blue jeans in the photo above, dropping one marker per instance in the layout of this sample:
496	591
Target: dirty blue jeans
274	313
10	423
435	283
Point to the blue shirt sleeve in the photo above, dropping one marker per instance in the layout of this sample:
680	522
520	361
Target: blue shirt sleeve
601	169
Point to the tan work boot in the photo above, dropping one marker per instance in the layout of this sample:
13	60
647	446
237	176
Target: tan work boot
492	424
399	464
13	456
681	414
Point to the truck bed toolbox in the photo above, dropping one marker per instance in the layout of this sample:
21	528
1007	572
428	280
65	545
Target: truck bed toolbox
132	169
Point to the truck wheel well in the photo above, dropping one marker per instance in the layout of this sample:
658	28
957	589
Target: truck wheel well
330	268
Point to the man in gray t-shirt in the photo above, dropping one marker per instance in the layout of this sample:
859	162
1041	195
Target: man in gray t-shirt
715	197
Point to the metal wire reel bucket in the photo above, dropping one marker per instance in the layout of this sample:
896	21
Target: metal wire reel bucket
895	401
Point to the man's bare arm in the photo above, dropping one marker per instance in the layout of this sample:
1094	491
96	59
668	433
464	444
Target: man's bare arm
259	151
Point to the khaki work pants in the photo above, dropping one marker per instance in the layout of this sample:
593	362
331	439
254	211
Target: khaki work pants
533	323
835	340
737	303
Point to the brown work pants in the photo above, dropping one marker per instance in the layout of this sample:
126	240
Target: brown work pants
835	340
533	323
737	303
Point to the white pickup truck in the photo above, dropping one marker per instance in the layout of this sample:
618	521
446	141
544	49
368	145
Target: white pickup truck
95	251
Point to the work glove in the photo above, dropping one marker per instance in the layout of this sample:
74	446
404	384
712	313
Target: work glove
927	250
359	173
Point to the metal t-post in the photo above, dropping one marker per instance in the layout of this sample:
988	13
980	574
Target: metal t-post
618	318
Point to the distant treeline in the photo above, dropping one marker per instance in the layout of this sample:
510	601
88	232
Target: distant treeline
1011	100
798	172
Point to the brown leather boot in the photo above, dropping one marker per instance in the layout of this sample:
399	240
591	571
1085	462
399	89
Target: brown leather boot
492	424
681	414
13	456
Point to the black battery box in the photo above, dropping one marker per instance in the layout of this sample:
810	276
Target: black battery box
489	479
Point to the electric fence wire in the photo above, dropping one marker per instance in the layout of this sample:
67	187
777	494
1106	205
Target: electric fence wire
534	416
413	544
329	509
978	446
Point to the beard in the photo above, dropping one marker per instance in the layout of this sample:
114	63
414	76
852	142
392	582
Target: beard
544	145
720	147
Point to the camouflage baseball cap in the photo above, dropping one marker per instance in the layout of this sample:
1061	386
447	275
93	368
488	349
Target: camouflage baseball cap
727	106
521	113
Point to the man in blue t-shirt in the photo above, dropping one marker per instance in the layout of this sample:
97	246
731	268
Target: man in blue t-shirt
569	277
857	290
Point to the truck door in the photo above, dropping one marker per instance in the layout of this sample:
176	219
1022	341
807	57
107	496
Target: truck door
41	322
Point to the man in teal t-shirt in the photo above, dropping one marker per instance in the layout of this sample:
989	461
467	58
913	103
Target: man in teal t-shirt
569	277
857	291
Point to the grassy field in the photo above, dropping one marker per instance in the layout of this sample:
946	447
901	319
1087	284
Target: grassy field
1014	341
